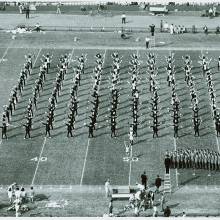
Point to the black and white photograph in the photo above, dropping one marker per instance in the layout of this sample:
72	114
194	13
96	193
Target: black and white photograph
110	108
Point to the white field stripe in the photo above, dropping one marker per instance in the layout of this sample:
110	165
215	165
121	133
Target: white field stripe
5	53
217	143
84	164
175	148
125	48
87	148
130	166
37	57
38	162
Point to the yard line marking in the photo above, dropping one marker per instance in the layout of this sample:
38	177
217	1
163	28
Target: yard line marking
84	164
6	51
175	148
126	48
37	57
130	166
217	143
38	162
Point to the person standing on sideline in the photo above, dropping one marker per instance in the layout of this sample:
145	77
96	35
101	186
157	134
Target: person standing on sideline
32	193
158	182
171	29
110	208
167	212
167	164
107	188
161	25
27	12
147	41
123	18
20	9
144	180
58	9
152	29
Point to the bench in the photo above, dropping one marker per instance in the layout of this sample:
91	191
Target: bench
123	192
158	10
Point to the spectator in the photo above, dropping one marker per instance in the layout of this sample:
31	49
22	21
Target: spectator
217	30
147	42
158	182
214	11
27	12
210	12
167	212
205	28
155	212
161	25
110	208
17	204
140	186
183	214
107	188
193	29
32	193
123	18
10	194
166	27
58	9
21	8
144	180
23	195
167	164
37	27
17	193
152	29
150	198
162	201
171	29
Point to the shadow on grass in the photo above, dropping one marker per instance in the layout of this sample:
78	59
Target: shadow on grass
174	205
189	180
4	205
41	197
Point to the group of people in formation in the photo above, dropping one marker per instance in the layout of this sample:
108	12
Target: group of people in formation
73	103
114	92
134	73
16	93
37	89
95	95
175	102
195	159
63	65
152	72
189	79
205	62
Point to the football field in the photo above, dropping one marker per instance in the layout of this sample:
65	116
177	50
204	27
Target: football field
80	160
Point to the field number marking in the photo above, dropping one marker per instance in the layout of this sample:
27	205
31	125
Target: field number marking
41	159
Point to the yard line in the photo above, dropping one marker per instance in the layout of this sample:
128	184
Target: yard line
37	57
127	48
6	51
175	148
84	164
130	166
38	162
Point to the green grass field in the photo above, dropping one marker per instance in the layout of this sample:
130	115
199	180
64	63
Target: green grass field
83	161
